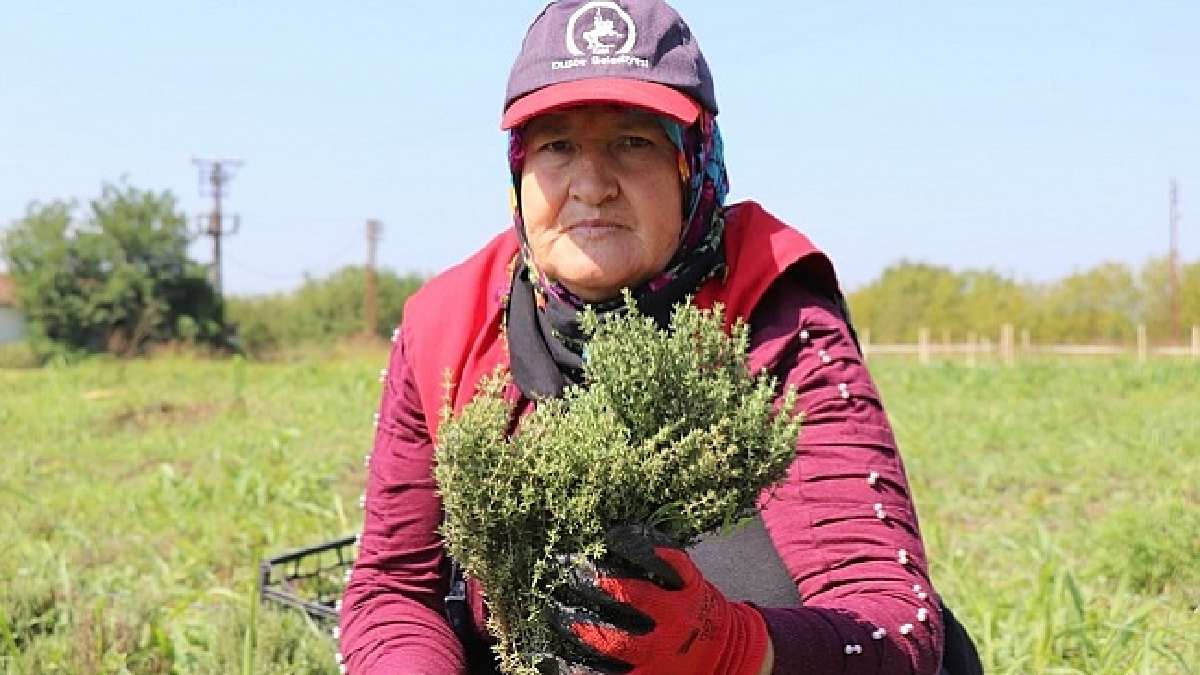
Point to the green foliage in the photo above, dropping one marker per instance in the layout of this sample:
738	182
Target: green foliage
114	281
1104	303
320	311
671	430
909	296
1155	279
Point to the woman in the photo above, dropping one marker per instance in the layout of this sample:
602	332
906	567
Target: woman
619	182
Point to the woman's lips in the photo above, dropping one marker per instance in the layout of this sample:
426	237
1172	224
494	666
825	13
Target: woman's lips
593	226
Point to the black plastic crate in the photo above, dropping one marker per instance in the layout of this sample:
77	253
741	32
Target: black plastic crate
309	579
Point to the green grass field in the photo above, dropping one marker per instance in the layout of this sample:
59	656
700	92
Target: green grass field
1061	504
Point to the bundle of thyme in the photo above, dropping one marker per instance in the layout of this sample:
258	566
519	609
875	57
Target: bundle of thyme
670	429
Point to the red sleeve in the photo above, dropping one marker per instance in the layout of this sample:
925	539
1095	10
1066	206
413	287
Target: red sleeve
843	522
392	617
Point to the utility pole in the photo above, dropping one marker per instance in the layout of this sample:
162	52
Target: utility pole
1174	260
214	174
374	230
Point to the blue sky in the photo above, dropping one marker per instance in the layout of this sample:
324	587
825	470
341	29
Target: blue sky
1035	138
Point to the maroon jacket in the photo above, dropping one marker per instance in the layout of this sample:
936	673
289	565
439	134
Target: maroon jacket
843	522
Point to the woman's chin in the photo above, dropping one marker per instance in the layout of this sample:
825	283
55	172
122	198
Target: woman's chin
594	285
595	275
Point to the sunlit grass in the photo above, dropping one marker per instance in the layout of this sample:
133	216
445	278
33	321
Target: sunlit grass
1058	501
140	495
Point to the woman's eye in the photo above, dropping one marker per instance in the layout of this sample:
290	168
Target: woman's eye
556	146
636	142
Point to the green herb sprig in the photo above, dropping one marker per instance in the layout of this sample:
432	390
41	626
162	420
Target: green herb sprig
670	429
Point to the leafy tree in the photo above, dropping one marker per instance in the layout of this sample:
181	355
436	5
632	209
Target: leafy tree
909	296
1103	303
991	300
906	297
1189	294
1155	280
115	280
1154	283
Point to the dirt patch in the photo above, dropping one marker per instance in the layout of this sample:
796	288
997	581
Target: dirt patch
162	412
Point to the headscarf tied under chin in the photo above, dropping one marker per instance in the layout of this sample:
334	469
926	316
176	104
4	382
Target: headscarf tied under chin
546	345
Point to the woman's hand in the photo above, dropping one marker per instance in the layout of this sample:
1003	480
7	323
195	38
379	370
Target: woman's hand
646	608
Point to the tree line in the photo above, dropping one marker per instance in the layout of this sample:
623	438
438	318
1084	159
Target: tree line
113	275
321	310
1104	303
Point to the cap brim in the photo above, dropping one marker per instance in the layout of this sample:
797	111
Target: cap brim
651	96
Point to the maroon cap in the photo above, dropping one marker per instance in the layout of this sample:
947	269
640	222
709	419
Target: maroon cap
628	52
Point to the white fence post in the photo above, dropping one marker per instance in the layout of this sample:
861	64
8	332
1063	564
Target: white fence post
864	342
923	346
1007	346
972	347
1196	342
1142	347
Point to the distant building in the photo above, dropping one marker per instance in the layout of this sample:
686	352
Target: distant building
12	322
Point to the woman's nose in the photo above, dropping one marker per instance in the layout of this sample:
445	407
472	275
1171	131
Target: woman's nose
593	181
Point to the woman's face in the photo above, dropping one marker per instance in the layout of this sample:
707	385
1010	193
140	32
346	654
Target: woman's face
600	198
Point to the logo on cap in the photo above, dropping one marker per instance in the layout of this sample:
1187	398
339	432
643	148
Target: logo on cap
608	33
602	36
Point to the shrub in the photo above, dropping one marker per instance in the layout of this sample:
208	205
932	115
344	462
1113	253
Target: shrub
321	310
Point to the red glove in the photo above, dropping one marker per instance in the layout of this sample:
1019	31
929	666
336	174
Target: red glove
646	608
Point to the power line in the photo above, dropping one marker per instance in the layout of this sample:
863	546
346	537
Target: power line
279	276
338	258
